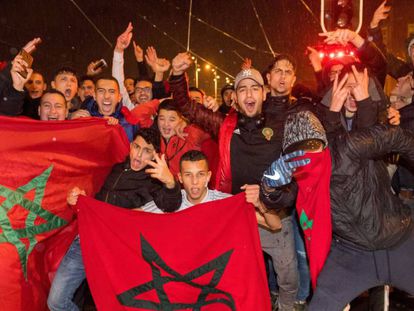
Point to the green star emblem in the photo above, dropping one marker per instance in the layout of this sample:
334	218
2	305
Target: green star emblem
305	222
157	264
35	209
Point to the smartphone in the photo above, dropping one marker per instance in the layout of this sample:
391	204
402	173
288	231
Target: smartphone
100	64
28	59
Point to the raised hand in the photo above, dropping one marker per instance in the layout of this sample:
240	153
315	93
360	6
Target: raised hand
279	173
161	171
18	66
360	90
340	93
158	65
314	59
139	52
343	37
211	104
124	39
181	63
381	13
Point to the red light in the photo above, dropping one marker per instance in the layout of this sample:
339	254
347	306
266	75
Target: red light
321	55
331	55
340	54
351	53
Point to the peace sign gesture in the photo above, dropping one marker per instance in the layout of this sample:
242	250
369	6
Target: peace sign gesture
161	171
280	172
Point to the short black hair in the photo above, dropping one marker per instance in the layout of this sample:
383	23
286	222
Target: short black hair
86	78
107	77
151	136
53	91
168	105
143	78
193	156
65	69
280	57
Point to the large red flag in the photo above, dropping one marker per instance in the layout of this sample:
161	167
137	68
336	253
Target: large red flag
39	162
207	257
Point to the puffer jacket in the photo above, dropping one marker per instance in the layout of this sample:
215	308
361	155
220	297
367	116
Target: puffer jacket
364	210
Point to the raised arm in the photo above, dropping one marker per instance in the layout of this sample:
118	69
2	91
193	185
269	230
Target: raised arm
122	43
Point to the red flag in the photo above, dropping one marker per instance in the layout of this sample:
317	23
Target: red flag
207	257
39	162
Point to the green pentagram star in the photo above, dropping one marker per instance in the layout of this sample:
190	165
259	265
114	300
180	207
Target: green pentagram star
218	265
16	197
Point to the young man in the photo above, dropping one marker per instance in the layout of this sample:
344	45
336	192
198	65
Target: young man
65	80
142	177
86	88
106	105
195	175
53	106
373	237
248	141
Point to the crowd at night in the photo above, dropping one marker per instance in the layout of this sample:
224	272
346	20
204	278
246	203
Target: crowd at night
313	152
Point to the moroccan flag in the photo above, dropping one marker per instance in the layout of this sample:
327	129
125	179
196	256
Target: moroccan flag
207	257
313	205
39	163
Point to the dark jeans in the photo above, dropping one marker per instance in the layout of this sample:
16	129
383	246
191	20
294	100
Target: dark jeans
349	271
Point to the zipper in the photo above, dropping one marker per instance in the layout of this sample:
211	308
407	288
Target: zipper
114	185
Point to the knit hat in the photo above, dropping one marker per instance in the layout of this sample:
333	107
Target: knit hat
303	131
248	74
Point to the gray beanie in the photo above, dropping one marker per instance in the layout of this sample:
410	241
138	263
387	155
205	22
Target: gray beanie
302	131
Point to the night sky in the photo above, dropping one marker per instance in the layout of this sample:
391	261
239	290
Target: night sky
69	39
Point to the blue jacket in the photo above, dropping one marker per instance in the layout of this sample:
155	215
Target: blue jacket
91	105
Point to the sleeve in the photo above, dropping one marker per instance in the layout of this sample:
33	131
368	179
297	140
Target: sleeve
279	198
206	119
158	90
374	59
168	200
380	140
142	70
11	100
367	114
118	73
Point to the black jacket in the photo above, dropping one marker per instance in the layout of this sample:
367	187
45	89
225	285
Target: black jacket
130	189
11	101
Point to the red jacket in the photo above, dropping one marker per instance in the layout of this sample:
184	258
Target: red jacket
223	177
176	146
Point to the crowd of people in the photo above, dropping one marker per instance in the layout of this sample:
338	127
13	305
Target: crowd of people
329	171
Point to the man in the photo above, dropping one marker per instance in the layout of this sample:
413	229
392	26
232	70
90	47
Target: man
53	106
196	94
106	105
195	175
248	142
65	80
142	177
86	88
35	88
227	98
373	237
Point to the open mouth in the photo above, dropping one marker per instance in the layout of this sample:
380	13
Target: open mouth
52	118
250	106
68	93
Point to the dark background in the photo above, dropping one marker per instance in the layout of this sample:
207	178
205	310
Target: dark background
69	39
